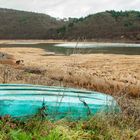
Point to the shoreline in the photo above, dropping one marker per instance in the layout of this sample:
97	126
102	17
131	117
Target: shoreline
51	41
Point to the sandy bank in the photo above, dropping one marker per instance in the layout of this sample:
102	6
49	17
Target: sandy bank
35	41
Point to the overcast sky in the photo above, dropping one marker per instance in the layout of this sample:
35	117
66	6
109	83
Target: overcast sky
70	8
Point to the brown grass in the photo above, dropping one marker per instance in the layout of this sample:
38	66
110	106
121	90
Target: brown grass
100	72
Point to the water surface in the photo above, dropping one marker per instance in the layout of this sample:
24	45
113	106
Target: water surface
84	48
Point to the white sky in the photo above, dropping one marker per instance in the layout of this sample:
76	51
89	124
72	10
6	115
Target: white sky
70	8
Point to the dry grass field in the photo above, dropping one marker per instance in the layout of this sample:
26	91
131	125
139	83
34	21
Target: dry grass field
107	73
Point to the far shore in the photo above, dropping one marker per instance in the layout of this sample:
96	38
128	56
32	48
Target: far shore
38	41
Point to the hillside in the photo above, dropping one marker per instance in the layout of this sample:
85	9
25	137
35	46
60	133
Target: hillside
16	24
104	25
111	25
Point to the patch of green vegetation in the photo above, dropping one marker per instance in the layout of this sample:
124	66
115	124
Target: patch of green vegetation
99	127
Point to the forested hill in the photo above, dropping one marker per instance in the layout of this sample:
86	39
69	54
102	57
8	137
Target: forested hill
16	24
112	25
104	25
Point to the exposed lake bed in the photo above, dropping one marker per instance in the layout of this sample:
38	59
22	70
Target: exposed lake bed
95	69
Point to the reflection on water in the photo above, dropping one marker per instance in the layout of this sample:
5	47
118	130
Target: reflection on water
84	48
96	45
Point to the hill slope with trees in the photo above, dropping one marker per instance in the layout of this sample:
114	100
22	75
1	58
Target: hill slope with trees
112	25
16	24
104	25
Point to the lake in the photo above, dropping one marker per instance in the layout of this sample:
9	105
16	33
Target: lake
83	48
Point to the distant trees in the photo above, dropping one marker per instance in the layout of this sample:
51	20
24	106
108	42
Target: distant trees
105	25
27	25
116	14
